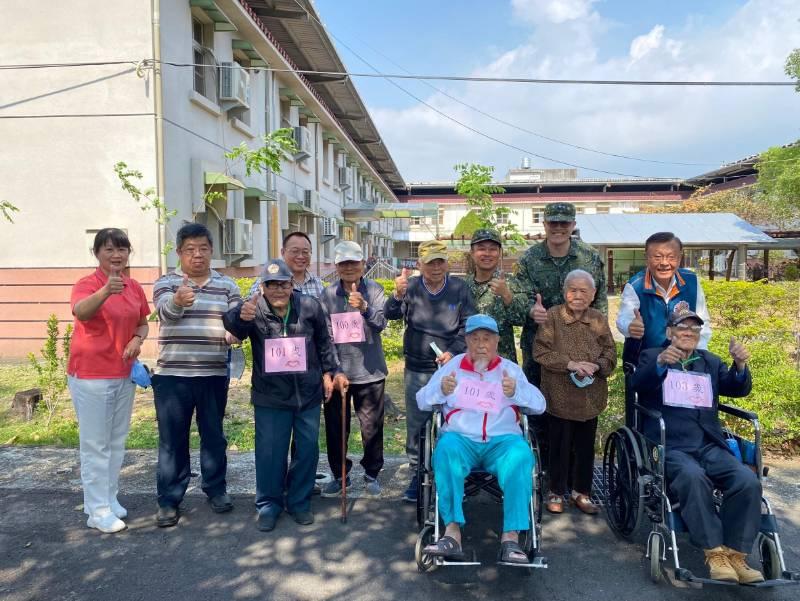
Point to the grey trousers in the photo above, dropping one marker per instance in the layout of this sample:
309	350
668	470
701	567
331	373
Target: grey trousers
693	477
415	418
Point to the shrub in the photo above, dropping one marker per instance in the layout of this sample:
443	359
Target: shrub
51	373
791	273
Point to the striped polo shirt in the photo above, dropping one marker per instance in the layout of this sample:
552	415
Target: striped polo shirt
191	340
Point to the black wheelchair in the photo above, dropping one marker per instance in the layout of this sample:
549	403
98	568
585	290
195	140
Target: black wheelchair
635	487
428	519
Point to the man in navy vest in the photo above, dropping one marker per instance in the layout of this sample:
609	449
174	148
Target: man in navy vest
650	296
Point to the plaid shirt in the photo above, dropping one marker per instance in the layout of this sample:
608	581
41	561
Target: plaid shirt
312	285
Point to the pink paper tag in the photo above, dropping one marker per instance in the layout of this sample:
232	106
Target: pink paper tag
477	395
688	389
347	327
285	355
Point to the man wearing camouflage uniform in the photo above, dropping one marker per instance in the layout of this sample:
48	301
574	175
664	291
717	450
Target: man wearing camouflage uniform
541	271
495	294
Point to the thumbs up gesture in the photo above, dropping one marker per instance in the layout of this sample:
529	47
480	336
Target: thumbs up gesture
499	287
184	295
248	310
538	312
449	384
509	385
739	354
356	299
401	284
636	327
114	285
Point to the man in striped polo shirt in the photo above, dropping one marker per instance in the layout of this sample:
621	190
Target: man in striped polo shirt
191	372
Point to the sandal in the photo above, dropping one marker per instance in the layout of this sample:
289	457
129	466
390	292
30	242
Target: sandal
584	503
511	552
555	503
447	547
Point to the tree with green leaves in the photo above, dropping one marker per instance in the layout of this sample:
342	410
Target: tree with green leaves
779	176
467	225
792	67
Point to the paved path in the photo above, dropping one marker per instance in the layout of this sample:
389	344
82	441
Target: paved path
46	552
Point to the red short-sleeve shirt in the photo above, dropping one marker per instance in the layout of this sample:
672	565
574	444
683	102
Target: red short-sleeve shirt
98	343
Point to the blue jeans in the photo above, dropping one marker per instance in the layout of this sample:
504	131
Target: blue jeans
274	475
176	399
507	457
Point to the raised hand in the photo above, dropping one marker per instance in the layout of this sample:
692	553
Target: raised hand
449	384
444	358
499	287
184	295
249	307
538	312
509	385
114	285
356	299
401	284
739	354
636	327
671	354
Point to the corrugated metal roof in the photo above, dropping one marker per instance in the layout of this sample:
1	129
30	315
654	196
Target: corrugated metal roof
701	230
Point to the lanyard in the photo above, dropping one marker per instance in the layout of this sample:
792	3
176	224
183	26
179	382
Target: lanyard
286	318
688	361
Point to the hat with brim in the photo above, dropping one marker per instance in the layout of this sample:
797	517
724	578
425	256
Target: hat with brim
481	322
681	312
276	271
347	250
432	250
485	235
559	211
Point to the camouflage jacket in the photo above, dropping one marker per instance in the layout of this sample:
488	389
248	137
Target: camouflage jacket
505	316
540	273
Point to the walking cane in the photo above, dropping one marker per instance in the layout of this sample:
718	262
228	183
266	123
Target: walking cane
344	454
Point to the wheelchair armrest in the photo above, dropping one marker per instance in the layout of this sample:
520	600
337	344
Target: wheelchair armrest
648	412
737	412
527	411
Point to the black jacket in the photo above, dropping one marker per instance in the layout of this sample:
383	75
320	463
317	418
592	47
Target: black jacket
688	429
307	319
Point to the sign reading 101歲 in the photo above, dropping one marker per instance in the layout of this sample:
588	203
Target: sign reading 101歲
283	355
477	395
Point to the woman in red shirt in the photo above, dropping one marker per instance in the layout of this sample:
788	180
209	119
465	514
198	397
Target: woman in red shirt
110	312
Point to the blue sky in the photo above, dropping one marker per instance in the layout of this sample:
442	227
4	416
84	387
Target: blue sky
679	39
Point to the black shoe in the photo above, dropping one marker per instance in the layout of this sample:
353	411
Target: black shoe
221	503
267	521
167	517
410	496
304	518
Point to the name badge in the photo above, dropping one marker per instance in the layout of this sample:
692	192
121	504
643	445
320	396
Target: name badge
282	355
688	389
347	327
477	395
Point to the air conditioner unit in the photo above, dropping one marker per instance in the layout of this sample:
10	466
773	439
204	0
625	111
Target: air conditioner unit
238	237
330	227
302	138
311	200
234	84
344	178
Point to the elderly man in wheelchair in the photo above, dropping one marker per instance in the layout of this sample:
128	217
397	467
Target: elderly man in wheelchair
480	395
683	383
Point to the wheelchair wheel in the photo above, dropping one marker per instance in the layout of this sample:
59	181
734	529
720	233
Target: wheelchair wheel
654	550
423	492
425	563
770	560
621	465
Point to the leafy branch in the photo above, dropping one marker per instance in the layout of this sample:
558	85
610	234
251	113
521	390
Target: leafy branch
7	208
276	145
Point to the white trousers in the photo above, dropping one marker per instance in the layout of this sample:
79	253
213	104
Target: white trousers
104	410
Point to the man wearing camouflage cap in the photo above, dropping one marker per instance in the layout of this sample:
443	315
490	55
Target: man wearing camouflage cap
495	294
541	271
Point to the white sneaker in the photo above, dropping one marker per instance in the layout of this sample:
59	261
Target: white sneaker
118	510
108	523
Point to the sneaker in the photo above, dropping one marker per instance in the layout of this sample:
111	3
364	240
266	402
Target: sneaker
108	523
167	517
410	496
719	566
118	510
304	518
372	487
746	574
221	503
334	487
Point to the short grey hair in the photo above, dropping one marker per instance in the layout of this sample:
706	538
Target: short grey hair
579	274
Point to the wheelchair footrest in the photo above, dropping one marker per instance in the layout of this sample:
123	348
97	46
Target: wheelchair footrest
470	559
536	562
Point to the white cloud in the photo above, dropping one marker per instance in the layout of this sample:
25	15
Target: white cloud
686	124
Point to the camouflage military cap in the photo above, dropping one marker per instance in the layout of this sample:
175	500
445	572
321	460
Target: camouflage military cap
559	211
486	234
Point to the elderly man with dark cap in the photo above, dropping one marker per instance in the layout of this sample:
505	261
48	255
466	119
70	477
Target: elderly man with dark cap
294	371
434	307
355	309
493	292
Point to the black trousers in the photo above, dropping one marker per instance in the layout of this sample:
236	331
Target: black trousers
176	399
692	478
571	439
368	402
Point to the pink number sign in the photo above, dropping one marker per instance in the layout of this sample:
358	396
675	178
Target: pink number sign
283	355
688	389
477	395
347	327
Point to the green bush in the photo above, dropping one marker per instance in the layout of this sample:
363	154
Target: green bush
791	273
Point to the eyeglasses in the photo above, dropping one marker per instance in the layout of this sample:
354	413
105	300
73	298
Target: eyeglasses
298	252
278	285
685	327
667	258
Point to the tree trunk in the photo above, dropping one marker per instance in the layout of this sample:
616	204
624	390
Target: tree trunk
729	264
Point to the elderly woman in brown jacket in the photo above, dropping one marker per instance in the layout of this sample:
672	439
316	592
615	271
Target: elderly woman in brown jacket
577	353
